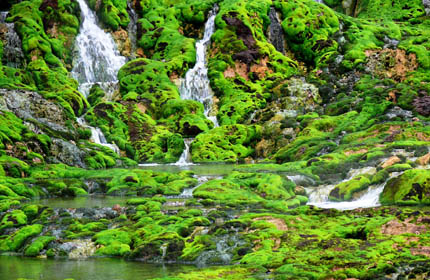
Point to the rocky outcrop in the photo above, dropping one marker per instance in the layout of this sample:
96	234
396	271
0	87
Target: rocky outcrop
30	106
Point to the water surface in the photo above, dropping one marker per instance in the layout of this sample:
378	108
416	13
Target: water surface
13	267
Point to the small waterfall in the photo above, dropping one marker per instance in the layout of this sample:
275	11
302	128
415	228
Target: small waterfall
12	51
97	136
370	197
185	158
188	192
98	59
275	32
196	84
132	29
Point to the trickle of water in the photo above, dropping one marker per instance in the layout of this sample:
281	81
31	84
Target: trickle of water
98	59
97	136
276	34
185	158
196	84
12	51
188	192
223	253
163	250
132	29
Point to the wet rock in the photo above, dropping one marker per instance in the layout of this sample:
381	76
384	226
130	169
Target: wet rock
275	32
396	227
123	42
78	249
66	152
397	112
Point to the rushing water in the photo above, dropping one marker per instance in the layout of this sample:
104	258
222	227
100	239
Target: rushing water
98	59
12	51
196	84
369	198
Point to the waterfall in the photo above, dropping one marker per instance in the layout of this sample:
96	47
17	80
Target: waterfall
97	136
196	84
12	51
369	198
97	61
132	29
275	32
185	158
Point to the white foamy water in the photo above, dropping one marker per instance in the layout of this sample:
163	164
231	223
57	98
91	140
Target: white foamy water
318	196
98	59
185	158
196	84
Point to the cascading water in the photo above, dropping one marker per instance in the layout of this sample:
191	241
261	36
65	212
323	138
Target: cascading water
185	158
276	33
370	198
12	52
97	136
196	84
97	61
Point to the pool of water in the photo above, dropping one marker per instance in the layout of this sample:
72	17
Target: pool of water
13	267
220	169
90	201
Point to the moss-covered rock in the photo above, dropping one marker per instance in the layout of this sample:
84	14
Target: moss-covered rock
16	240
345	191
229	143
412	187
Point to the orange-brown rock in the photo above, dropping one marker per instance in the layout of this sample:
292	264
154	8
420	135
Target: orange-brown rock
279	223
391	161
122	41
396	227
424	160
393	64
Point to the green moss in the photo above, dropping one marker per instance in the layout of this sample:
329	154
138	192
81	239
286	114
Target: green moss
346	190
15	218
38	245
226	143
409	188
17	239
114	242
